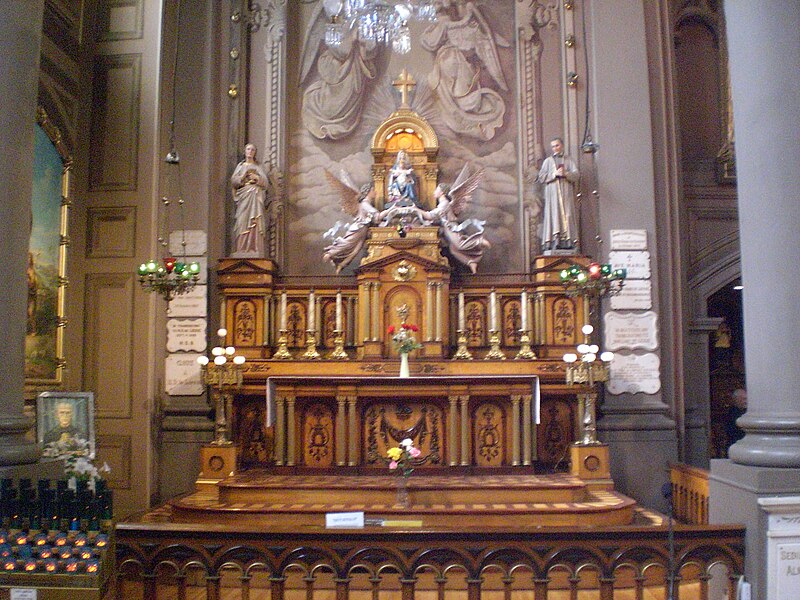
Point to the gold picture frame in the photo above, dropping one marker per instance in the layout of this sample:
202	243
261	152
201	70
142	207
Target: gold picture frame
47	256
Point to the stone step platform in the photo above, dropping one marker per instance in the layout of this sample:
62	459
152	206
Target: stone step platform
260	498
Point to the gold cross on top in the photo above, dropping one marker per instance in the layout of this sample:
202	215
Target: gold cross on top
404	83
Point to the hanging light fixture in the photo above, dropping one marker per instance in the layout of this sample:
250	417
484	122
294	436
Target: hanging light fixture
170	276
376	21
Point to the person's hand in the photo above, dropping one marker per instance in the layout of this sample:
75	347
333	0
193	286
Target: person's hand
560	171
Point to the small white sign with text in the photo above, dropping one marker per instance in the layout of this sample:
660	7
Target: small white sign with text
347	520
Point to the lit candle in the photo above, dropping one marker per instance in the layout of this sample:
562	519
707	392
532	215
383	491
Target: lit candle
461	316
493	311
283	311
524	307
339	310
311	309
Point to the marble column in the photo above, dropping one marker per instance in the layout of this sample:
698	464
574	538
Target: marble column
20	42
764	52
766	98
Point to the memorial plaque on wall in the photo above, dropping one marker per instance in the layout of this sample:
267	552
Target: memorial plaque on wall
635	331
186	335
636	262
636	294
191	304
196	242
633	373
628	239
183	376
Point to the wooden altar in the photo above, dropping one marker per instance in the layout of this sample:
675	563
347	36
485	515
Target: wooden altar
485	421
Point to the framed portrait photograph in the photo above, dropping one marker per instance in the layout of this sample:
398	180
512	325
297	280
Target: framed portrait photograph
65	424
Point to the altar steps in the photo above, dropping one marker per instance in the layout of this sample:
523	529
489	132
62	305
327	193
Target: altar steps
264	499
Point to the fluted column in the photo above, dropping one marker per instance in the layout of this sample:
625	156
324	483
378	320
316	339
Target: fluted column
766	96
20	42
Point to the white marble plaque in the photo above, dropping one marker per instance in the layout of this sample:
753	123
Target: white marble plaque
637	331
787	570
628	239
636	294
636	262
183	376
193	303
186	335
196	242
632	373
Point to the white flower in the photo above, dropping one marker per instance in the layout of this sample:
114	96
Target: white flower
407	443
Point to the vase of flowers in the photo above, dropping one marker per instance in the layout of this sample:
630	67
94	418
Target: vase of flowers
401	461
404	342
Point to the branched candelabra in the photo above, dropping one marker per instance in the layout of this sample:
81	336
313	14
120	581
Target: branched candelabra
170	279
593	282
584	367
224	377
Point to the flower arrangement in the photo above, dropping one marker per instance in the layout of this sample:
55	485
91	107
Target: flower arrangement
404	341
78	465
401	458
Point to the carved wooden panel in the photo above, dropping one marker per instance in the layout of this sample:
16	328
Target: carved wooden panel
512	321
120	20
115	450
475	317
296	318
489	438
318	435
555	434
107	357
250	433
247	322
562	318
397	297
115	123
387	424
110	232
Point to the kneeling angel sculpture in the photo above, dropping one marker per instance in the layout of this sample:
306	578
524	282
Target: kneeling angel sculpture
356	203
467	248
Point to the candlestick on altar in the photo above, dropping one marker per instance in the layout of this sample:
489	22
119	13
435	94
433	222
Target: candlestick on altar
282	324
461	313
462	353
523	300
525	352
338	352
494	341
311	346
492	310
311	310
282	353
339	310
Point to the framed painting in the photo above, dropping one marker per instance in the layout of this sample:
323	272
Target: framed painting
47	256
65	424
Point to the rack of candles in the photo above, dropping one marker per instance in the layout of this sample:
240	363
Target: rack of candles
47	530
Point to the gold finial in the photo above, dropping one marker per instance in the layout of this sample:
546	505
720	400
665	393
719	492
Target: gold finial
404	83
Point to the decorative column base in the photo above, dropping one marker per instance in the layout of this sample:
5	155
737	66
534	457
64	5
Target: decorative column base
283	352
216	464
525	352
311	346
494	341
591	463
462	353
338	352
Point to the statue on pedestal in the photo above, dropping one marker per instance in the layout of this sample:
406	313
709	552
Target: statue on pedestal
559	174
249	184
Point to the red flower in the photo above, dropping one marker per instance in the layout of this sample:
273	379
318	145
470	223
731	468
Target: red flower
390	331
413	327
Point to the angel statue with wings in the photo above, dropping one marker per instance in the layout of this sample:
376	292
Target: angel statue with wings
467	248
357	203
460	33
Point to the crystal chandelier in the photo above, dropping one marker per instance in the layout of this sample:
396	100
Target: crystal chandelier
376	21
